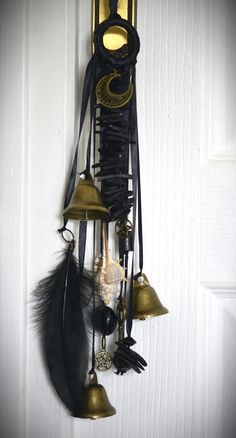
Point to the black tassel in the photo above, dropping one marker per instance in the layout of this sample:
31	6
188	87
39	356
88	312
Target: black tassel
60	321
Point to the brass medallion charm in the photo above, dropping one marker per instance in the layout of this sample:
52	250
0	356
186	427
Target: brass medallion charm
123	227
103	359
109	99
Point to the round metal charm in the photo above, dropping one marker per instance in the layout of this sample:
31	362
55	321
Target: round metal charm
103	360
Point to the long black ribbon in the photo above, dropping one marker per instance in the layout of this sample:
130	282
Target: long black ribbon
87	92
137	207
113	4
136	170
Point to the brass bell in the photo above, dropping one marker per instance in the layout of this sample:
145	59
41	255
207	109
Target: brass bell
86	202
96	403
145	300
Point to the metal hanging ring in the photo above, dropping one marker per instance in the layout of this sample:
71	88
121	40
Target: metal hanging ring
108	55
104	342
64	237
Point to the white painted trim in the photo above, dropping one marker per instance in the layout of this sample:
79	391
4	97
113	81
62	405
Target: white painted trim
221	290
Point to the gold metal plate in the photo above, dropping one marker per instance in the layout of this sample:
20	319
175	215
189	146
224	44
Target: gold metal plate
115	37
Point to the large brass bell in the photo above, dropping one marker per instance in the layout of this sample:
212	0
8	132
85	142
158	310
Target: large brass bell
86	202
96	404
145	300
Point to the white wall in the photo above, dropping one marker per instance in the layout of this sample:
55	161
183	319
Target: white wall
186	106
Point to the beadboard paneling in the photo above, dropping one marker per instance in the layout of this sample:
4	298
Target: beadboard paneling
13	128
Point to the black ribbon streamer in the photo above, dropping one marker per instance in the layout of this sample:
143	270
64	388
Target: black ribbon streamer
88	89
118	129
113	7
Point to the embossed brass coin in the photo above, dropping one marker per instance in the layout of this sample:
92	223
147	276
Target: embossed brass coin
103	359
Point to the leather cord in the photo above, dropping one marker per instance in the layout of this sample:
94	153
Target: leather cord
113	4
87	92
137	207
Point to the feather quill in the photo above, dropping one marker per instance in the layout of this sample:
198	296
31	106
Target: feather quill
58	314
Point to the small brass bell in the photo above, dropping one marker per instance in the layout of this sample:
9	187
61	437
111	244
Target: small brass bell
96	404
86	202
145	300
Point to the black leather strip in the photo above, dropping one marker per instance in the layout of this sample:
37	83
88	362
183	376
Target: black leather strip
137	207
82	243
83	224
87	92
113	7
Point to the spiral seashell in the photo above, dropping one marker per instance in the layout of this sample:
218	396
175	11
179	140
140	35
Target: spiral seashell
106	293
100	277
98	263
114	272
109	273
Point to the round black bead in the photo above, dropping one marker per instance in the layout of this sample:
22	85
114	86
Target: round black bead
104	320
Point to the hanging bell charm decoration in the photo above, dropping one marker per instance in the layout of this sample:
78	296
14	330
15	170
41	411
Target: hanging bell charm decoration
96	403
145	300
86	202
66	300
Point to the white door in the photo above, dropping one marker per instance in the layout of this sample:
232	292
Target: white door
187	113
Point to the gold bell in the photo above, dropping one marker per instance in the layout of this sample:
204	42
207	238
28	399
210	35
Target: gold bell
145	300
96	403
86	202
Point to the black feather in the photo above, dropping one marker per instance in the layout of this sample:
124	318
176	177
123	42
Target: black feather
59	317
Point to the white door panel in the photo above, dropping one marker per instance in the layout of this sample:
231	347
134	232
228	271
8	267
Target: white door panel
218	220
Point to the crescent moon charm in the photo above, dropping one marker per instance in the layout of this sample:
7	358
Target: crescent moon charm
109	99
